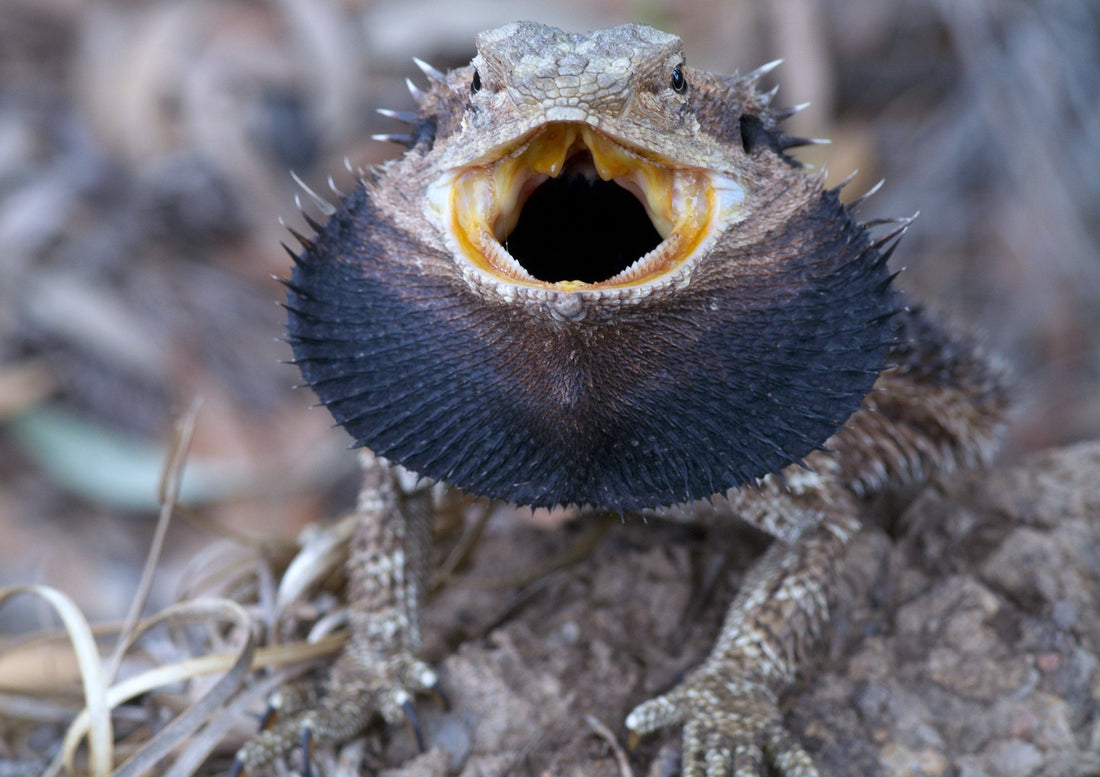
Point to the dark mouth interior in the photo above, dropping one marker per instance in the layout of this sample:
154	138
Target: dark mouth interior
577	227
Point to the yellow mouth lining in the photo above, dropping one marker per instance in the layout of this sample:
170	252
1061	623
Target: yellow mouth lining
483	203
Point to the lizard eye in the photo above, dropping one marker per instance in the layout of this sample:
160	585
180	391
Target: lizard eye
475	85
678	82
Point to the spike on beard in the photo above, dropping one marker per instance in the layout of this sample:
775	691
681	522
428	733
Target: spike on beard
858	202
405	117
322	204
403	139
850	177
305	241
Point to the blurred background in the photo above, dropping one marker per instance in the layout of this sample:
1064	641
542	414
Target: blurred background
145	150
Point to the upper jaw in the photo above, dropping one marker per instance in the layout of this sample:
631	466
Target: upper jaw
479	204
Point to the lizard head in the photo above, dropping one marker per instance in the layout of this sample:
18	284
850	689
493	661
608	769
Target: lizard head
594	277
581	165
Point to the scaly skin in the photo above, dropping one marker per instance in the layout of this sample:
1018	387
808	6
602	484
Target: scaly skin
735	361
378	672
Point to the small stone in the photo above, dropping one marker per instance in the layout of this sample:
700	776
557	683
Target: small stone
1064	614
1012	758
872	700
455	738
900	760
1048	662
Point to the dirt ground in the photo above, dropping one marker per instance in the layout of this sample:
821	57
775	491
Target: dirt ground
969	646
966	640
144	158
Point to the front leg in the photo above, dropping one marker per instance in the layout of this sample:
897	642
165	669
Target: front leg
728	706
387	573
378	672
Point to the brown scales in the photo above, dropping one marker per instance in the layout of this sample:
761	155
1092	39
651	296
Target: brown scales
776	354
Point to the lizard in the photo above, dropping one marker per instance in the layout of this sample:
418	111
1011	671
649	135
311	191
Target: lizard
596	277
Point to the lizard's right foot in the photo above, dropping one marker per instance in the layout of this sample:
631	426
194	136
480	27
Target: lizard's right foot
354	699
731	728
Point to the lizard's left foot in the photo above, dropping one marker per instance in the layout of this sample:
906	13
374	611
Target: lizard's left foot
731	728
352	702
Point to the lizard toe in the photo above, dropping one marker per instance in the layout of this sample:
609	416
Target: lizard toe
731	728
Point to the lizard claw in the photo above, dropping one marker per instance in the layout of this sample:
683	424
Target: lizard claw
731	728
307	751
414	724
354	699
441	696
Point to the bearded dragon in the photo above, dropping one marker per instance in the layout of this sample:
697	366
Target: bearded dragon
595	277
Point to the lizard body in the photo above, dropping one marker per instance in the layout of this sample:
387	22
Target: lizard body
596	278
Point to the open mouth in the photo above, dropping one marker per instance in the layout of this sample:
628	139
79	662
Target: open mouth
570	208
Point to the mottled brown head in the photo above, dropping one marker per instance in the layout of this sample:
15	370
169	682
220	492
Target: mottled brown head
593	278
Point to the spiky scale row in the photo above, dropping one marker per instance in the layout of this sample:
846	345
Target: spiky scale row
410	139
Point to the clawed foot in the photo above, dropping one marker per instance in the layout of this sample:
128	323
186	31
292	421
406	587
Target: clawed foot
731	728
353	700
